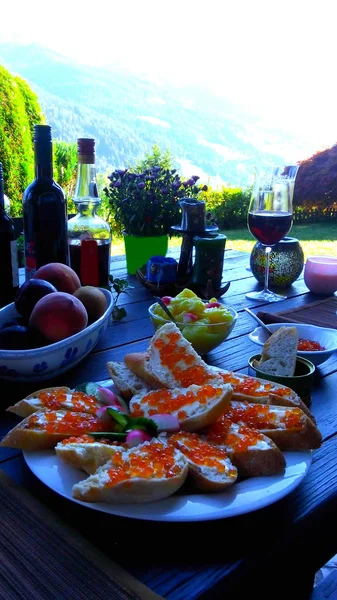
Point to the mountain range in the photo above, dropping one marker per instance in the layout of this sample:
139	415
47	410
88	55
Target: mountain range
127	114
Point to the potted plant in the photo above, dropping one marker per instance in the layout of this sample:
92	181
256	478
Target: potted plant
145	205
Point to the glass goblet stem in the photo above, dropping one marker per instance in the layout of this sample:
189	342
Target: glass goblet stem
266	274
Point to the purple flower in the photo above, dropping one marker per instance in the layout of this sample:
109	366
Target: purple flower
164	190
195	178
117	184
141	185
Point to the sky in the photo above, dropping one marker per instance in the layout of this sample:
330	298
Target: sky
276	59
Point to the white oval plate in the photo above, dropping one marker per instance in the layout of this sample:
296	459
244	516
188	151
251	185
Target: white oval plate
243	497
325	336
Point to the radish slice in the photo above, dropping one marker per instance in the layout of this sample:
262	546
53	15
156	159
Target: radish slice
213	305
106	396
136	437
189	318
102	413
167	300
166	422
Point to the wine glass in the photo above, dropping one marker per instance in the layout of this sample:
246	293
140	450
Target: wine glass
270	215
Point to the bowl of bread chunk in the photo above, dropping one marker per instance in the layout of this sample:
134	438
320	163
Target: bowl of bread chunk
205	324
316	344
280	363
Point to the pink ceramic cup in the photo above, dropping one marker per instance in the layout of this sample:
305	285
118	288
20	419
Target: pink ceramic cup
320	274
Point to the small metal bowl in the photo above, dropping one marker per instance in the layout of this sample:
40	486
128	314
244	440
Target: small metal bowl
301	382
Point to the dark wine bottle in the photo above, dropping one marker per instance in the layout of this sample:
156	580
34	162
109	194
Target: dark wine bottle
9	271
45	222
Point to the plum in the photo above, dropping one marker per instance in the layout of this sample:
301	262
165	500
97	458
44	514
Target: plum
58	316
15	337
29	293
60	275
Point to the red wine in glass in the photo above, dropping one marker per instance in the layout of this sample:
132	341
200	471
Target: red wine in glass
269	227
270	215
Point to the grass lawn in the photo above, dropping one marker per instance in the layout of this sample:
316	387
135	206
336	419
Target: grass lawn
315	238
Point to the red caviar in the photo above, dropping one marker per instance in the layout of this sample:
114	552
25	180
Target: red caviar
201	453
171	354
250	386
56	399
165	401
154	461
87	439
235	439
70	423
263	416
309	345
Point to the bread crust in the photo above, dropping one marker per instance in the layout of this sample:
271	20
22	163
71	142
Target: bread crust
127	383
138	363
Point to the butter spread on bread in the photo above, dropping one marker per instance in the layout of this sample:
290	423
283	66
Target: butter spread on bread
85	452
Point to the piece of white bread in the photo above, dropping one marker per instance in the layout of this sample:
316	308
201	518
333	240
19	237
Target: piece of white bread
253	453
127	383
45	428
168	350
195	407
57	398
170	362
279	353
289	427
85	452
145	473
209	466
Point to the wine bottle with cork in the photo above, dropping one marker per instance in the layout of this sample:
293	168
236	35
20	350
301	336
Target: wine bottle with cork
89	236
44	210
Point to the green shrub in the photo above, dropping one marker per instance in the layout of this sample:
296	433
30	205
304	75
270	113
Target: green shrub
229	206
19	110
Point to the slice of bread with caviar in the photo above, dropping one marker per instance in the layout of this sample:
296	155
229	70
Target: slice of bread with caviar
45	428
195	407
253	453
57	398
146	473
209	466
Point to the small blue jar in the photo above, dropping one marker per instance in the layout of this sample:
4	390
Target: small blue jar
161	269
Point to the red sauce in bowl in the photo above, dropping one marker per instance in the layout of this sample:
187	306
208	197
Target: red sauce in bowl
309	345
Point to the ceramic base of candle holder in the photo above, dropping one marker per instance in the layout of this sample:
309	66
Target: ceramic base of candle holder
205	292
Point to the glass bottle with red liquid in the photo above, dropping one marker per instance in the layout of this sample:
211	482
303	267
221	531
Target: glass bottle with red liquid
89	236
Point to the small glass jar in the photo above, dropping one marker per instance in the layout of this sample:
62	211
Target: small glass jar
89	236
209	258
285	263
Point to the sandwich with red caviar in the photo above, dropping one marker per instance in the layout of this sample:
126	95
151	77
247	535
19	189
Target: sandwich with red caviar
196	406
149	472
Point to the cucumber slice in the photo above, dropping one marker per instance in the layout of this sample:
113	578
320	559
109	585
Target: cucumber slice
89	388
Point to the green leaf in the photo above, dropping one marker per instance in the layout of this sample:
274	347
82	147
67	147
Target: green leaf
109	435
118	313
144	424
121	418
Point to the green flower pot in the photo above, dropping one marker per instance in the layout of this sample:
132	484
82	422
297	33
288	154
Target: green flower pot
139	249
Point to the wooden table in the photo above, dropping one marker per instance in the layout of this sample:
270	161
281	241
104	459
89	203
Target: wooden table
258	552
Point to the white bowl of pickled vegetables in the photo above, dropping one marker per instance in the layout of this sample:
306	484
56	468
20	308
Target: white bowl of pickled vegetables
206	324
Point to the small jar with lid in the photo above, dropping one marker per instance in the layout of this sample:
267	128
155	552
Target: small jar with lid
89	236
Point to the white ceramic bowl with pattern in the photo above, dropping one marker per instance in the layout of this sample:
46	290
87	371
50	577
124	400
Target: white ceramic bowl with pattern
50	361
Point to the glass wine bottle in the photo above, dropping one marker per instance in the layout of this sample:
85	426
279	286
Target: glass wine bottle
9	272
89	236
45	222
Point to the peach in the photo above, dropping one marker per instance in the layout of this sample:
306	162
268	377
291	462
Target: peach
60	275
58	316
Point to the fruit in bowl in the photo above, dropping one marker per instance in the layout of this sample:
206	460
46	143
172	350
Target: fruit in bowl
48	330
206	324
